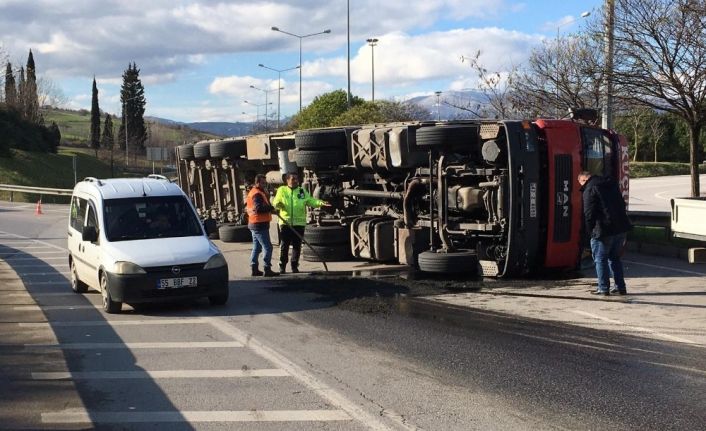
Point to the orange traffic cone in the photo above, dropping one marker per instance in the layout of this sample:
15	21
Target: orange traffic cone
38	211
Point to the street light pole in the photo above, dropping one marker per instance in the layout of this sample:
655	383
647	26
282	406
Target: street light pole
372	42
558	27
257	106
438	105
300	54
266	103
279	84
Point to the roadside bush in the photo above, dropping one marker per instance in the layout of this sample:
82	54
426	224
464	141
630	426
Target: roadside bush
659	169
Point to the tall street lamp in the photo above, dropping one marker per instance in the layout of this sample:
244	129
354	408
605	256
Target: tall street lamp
266	103
300	54
279	84
372	42
125	118
558	27
438	105
257	106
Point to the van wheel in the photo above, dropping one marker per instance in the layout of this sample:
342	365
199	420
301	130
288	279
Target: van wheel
77	285
219	299
109	305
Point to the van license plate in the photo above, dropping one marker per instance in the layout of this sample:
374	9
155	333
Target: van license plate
176	283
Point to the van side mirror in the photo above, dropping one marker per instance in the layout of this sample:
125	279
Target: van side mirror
89	234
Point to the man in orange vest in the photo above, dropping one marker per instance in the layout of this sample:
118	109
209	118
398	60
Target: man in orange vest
259	218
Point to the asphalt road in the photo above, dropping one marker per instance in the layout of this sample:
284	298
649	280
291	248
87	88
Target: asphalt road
315	353
654	193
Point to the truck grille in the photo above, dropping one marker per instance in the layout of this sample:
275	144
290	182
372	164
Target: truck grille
562	197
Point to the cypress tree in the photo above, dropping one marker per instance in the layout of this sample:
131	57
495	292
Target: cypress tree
132	96
107	140
95	135
31	98
21	91
10	88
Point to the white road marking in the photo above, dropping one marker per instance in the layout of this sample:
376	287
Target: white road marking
186	321
37	283
41	295
684	271
35	240
156	345
54	307
39	265
15	259
17	253
83	416
317	386
56	273
635	328
164	374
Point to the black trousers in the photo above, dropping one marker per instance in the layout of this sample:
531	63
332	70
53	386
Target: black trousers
286	238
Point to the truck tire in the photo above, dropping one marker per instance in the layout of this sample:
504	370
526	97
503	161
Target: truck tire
327	235
320	139
234	233
320	159
232	148
447	136
457	262
186	152
330	253
201	150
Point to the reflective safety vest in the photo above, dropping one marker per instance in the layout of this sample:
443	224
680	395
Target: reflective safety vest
292	204
255	217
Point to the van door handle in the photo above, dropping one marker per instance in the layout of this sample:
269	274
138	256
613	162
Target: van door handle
70	234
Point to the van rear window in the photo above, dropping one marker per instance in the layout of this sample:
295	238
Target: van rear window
149	217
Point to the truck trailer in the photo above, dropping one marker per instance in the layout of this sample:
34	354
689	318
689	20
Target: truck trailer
498	197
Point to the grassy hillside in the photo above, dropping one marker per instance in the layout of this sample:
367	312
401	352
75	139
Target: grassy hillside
75	129
48	170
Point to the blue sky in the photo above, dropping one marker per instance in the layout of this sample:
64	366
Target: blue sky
198	59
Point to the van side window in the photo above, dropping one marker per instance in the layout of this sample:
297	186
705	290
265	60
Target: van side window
91	220
78	213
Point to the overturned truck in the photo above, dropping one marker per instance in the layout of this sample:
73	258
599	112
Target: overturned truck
499	197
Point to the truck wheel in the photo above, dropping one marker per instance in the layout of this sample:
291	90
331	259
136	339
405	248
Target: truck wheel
77	285
329	253
202	150
219	299
320	159
109	305
325	235
232	148
457	262
234	233
447	136
186	152
320	139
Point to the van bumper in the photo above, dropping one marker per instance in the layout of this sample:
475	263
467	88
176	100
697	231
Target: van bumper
140	288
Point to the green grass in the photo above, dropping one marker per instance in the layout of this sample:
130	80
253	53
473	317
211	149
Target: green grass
659	236
659	169
48	170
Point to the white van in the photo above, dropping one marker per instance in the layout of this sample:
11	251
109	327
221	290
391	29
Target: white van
140	240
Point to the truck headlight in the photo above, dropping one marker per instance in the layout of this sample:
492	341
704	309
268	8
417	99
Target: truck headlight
123	267
216	261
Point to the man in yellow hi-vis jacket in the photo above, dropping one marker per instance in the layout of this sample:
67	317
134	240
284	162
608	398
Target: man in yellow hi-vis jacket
291	200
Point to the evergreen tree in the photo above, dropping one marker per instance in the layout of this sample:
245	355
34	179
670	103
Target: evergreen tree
132	96
95	133
10	88
30	98
21	93
55	137
107	140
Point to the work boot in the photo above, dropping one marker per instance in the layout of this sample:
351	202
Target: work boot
270	273
255	271
295	269
282	268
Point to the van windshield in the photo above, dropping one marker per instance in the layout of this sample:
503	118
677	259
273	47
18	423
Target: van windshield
149	217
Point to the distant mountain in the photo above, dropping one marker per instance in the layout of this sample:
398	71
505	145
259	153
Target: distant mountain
222	128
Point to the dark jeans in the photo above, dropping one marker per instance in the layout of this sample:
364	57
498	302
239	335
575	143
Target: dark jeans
287	238
261	241
606	255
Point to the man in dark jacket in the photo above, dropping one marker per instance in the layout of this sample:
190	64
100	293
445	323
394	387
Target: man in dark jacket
607	223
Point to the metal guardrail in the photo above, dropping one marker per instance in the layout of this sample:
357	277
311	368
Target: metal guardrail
34	190
651	218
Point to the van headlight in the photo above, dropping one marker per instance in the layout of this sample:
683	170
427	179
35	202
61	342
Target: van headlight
123	267
216	261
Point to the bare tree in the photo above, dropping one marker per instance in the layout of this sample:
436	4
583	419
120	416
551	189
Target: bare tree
50	94
660	60
496	87
657	131
560	74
